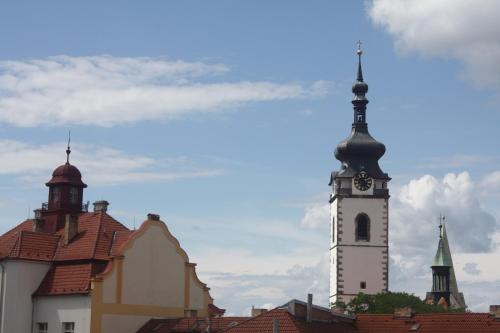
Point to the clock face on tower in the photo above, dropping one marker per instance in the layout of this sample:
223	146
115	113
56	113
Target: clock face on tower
362	181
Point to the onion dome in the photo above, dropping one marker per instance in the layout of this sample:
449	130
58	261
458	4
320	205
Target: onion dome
360	151
67	174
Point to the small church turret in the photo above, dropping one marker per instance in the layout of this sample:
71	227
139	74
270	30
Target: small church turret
444	283
441	271
359	207
65	195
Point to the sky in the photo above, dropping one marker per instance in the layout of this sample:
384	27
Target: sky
223	116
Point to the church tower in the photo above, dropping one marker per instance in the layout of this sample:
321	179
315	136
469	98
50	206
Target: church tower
444	282
359	206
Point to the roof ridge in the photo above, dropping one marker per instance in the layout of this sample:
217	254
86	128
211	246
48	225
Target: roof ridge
115	220
57	247
13	248
255	318
97	234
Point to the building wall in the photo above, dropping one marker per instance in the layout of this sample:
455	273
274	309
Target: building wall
355	261
123	323
54	310
22	278
151	278
153	271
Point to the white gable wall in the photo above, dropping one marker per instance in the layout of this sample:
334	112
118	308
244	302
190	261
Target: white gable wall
153	271
54	310
22	279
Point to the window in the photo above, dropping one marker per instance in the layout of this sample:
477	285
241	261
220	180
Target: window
362	285
55	194
73	195
362	228
42	327
68	327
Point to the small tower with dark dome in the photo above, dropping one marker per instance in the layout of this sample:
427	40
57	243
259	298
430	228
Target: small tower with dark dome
65	195
359	210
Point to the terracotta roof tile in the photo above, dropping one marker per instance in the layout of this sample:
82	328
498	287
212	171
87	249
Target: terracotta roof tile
429	323
36	246
66	279
94	239
288	324
185	325
74	264
9	239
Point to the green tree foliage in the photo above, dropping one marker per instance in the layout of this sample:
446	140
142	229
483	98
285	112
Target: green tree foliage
388	302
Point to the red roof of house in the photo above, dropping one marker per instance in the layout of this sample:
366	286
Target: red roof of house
98	234
289	324
215	310
75	263
429	323
191	325
63	279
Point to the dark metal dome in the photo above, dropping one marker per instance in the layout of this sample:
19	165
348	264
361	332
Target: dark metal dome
66	174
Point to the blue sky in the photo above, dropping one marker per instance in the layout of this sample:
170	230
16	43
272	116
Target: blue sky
223	117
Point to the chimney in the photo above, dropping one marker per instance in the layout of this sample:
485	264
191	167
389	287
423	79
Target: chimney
38	222
257	311
276	325
402	313
71	228
309	308
495	311
153	217
101	206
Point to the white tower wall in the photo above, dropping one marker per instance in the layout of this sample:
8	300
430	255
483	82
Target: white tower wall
353	262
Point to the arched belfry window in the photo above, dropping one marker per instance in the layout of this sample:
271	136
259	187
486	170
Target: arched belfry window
362	228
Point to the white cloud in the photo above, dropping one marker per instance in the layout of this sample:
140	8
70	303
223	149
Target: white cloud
460	29
473	234
99	165
316	215
106	90
238	292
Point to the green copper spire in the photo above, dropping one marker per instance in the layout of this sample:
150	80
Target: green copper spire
443	258
443	254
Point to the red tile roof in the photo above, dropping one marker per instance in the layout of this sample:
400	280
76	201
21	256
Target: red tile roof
289	324
75	263
191	325
215	310
98	234
94	239
429	323
68	279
